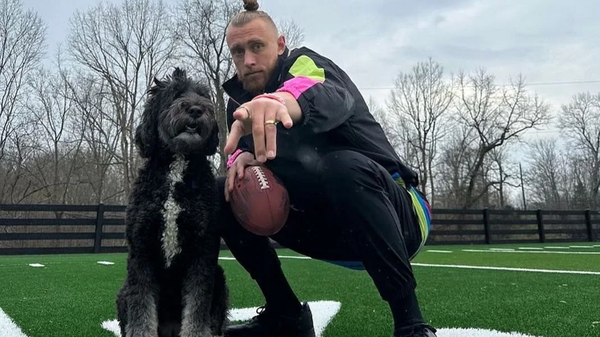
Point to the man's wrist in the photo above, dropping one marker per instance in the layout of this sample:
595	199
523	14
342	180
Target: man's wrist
271	96
233	157
291	104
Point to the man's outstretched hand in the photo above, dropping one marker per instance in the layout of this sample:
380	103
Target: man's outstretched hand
259	117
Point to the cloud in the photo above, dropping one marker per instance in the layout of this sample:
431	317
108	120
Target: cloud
545	40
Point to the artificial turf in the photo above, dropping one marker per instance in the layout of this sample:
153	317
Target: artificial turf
73	294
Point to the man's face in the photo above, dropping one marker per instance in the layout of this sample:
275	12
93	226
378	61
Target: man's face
255	48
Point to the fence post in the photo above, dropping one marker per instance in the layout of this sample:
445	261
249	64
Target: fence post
99	225
588	225
540	224
486	226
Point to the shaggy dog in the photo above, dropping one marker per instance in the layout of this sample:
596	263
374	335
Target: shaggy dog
174	285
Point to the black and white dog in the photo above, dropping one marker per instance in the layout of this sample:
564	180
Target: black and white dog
174	286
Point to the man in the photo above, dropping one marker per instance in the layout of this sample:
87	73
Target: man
353	200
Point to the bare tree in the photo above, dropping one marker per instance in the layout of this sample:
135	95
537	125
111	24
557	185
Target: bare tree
22	36
547	175
419	102
99	135
51	111
294	35
458	153
17	184
126	45
580	121
579	178
498	115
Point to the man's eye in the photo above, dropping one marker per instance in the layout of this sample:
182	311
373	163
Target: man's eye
257	47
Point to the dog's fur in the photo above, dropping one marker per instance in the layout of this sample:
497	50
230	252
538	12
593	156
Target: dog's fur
174	286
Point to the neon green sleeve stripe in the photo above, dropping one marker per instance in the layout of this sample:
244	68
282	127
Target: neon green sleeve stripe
306	67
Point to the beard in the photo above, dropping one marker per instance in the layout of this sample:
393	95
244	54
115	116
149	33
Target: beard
257	83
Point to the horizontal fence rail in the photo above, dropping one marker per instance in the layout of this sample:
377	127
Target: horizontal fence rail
69	229
487	226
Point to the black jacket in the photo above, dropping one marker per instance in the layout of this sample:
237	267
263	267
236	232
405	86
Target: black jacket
335	116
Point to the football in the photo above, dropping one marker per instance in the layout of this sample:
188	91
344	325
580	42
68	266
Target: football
259	201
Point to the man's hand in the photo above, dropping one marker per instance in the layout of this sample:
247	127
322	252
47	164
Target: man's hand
242	161
259	118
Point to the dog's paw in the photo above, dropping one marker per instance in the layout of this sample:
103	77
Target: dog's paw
141	333
195	331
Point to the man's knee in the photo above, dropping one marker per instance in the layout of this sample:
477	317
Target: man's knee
345	171
339	163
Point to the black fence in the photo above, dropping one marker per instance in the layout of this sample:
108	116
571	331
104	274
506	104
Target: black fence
68	229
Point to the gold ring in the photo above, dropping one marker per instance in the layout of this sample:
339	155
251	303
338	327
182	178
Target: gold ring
271	121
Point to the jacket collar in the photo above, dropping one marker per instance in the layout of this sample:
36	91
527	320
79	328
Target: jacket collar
234	88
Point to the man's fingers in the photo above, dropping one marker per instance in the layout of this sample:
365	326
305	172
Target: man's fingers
258	134
237	131
241	113
271	132
228	184
262	122
240	171
284	117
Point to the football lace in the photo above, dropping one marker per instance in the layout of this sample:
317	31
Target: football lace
262	178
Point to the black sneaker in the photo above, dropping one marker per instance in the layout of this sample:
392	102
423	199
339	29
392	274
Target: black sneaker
273	324
421	330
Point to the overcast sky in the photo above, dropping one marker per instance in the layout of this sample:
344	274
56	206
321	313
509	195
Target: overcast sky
548	41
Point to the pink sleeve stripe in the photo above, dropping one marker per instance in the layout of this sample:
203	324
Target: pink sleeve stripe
297	85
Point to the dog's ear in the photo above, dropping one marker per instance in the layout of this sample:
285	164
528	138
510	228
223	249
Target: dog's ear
146	133
158	83
212	143
179	73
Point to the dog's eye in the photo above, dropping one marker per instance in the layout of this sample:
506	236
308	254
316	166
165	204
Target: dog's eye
183	105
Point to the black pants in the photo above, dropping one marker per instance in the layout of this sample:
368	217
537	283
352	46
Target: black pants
353	211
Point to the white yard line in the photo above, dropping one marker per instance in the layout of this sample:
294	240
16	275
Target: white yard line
529	252
474	332
295	257
291	257
8	328
438	251
551	271
531	248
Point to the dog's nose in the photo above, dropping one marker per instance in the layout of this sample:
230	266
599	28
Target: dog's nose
195	111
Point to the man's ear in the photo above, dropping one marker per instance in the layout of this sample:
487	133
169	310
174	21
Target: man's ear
280	44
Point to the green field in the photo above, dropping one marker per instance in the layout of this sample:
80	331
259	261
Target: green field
72	295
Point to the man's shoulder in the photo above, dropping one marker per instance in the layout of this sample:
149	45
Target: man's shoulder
304	51
303	58
301	50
